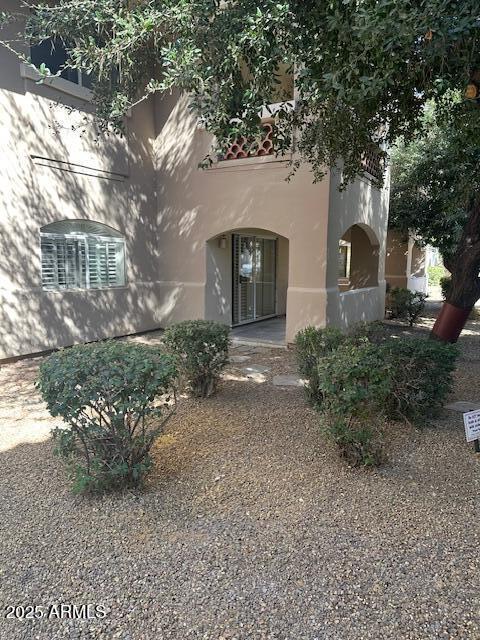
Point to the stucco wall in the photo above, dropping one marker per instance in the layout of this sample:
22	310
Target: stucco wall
108	179
359	204
197	205
405	264
55	165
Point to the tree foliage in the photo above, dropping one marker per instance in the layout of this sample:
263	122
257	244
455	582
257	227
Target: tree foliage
434	179
365	68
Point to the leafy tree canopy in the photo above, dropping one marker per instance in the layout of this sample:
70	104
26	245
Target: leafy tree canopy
434	179
365	68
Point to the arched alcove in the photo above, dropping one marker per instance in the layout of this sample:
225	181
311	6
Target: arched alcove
358	258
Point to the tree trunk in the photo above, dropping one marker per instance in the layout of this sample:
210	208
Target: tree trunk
465	288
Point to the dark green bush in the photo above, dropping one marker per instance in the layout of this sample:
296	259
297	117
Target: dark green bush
115	398
374	332
405	304
312	344
420	377
200	348
354	384
445	285
359	385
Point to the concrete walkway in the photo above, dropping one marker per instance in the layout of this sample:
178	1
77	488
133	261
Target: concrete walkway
265	332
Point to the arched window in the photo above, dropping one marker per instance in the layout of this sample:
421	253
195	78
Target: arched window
80	254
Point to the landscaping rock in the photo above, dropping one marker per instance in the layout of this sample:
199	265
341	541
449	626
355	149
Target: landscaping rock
288	381
249	528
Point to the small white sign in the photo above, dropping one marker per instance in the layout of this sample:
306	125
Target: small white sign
471	420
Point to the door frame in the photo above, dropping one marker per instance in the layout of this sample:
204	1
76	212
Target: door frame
272	315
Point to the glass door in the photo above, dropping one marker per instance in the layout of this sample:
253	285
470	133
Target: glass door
254	266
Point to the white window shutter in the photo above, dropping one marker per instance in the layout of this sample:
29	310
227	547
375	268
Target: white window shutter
61	264
82	264
120	263
74	258
93	265
49	269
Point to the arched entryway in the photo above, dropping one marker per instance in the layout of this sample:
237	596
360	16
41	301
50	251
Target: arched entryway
358	258
359	291
247	276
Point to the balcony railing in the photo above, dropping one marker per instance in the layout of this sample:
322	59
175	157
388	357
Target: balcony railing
250	148
257	148
373	163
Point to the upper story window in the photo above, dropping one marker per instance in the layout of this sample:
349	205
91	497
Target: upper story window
80	254
53	54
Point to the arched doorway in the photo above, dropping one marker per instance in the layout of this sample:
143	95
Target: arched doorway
247	276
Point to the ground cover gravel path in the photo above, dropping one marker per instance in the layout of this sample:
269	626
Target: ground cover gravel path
249	528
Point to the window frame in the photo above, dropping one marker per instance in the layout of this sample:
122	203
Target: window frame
345	248
62	49
56	83
85	237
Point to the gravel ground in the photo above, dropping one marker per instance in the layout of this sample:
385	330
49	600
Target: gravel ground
250	528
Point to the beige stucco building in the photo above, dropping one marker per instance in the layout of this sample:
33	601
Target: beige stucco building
405	262
105	236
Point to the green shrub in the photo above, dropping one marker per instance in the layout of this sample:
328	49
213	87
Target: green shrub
201	351
312	344
362	384
374	332
420	377
354	384
445	285
115	398
435	274
405	304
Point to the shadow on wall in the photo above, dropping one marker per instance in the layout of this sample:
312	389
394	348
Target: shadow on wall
37	193
359	305
198	206
180	146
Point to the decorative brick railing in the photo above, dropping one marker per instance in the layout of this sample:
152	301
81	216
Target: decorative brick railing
248	148
372	164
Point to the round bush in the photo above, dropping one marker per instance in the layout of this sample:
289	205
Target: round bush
354	384
200	348
420	377
405	304
311	345
374	332
115	398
